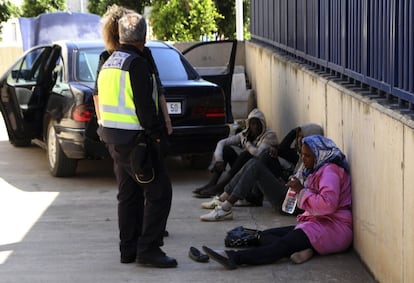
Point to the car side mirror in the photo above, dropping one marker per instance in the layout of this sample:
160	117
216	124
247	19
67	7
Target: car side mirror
14	74
26	75
21	74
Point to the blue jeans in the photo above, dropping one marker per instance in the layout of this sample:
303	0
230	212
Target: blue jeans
255	173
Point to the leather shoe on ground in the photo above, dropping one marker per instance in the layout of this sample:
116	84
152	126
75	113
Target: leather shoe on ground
128	259
128	255
198	190
197	255
207	193
157	261
225	261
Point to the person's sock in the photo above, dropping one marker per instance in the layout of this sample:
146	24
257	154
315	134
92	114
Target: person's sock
226	206
223	197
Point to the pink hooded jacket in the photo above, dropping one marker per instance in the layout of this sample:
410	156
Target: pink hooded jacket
326	199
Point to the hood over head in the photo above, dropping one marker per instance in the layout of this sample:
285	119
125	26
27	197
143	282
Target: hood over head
311	129
325	151
256	113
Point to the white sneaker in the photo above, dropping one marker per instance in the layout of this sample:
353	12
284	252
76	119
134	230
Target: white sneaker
301	256
212	204
218	214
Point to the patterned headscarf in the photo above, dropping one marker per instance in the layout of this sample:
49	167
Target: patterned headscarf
325	151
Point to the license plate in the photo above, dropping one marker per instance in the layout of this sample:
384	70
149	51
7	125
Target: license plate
174	107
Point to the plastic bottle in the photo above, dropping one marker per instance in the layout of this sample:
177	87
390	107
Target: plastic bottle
289	204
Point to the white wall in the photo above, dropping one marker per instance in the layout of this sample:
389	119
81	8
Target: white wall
80	6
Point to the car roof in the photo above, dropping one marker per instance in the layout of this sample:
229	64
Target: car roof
157	43
80	44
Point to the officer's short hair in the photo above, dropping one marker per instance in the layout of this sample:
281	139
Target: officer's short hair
132	28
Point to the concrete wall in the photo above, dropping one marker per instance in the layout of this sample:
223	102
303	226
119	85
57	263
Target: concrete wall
7	57
378	143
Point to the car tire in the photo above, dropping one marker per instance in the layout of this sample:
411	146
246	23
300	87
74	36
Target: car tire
59	164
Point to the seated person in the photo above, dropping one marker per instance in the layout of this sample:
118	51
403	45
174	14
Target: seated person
253	141
326	225
284	159
261	176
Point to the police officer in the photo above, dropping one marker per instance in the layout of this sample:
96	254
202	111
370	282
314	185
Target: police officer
128	107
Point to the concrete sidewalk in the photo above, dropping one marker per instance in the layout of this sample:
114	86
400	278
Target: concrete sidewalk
65	230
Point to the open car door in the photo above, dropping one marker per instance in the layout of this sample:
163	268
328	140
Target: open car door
214	61
24	92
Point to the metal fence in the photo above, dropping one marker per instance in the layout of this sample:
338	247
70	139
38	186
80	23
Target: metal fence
370	42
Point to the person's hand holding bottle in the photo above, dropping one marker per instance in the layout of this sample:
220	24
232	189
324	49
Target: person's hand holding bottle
295	184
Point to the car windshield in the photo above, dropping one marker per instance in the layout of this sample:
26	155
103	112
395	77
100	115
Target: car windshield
87	64
169	65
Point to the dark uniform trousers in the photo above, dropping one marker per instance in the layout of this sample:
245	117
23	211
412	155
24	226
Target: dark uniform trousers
143	209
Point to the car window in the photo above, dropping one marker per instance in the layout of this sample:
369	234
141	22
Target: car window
87	64
26	70
170	65
60	87
207	61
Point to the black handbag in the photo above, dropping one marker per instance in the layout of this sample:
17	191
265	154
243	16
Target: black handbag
240	237
141	160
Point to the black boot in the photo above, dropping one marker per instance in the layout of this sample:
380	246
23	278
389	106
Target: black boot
214	190
213	180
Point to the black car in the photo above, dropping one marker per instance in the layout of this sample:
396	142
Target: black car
46	99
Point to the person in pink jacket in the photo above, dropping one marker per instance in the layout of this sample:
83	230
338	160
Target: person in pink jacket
326	225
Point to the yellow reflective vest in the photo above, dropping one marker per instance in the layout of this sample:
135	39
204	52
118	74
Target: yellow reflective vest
116	102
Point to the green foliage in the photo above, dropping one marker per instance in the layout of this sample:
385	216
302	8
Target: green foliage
99	7
7	10
33	8
4	12
184	20
227	25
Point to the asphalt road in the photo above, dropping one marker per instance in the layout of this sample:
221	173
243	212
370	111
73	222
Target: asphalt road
65	229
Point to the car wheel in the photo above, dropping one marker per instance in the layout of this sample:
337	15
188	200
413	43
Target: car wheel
59	164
